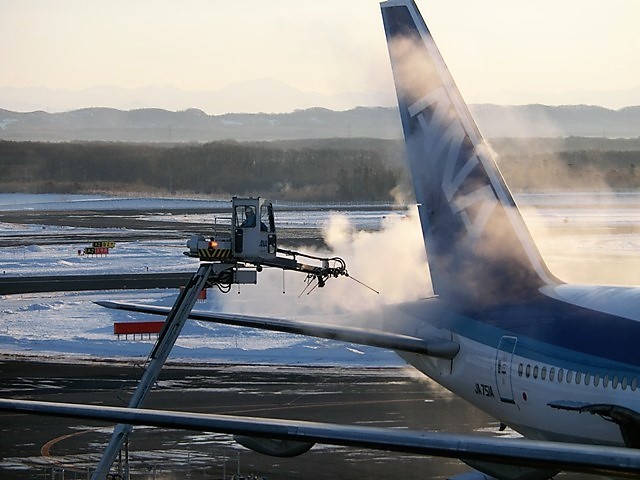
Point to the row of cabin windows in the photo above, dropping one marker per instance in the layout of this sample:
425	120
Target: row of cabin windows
578	377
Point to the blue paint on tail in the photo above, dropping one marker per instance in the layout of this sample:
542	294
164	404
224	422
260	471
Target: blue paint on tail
479	250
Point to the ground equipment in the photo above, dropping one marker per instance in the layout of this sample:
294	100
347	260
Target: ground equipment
228	258
252	244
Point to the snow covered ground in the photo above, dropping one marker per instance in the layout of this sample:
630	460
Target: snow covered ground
54	324
62	324
586	237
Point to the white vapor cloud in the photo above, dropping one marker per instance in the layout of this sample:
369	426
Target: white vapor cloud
391	261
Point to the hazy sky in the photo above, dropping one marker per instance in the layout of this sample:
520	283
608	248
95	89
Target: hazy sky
500	51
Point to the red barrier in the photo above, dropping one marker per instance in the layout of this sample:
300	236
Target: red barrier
135	328
202	296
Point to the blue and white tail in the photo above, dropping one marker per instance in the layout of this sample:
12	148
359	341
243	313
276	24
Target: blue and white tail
479	249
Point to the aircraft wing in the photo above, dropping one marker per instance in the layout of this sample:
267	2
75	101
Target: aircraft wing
539	455
376	338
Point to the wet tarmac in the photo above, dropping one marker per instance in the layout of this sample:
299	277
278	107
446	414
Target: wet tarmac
39	447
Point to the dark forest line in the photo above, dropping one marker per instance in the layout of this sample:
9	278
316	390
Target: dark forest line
331	169
217	168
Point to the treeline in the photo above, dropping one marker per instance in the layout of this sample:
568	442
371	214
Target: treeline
279	170
571	163
331	169
572	170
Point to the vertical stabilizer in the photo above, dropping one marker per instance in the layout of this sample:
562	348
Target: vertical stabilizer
479	249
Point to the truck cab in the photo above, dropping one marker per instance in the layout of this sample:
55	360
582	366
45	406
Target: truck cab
253	226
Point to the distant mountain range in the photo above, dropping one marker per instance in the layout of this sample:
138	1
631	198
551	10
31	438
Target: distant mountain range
193	125
259	95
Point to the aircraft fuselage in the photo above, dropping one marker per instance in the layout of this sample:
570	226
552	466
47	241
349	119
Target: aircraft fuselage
515	361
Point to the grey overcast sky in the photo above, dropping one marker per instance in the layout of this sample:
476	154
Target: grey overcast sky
499	51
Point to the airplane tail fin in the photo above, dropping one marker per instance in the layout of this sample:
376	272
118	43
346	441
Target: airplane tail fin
478	247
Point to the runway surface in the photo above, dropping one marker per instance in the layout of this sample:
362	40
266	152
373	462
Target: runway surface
388	397
77	283
40	447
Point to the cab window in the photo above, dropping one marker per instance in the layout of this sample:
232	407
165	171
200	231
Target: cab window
245	216
267	223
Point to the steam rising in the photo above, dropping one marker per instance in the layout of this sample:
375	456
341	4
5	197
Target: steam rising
414	73
580	241
391	260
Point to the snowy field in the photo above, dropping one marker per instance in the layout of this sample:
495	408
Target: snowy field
590	238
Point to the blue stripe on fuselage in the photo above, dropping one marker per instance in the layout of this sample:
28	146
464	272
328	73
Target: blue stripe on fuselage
549	330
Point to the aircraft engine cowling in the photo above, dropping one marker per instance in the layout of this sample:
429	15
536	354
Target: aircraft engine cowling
274	447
